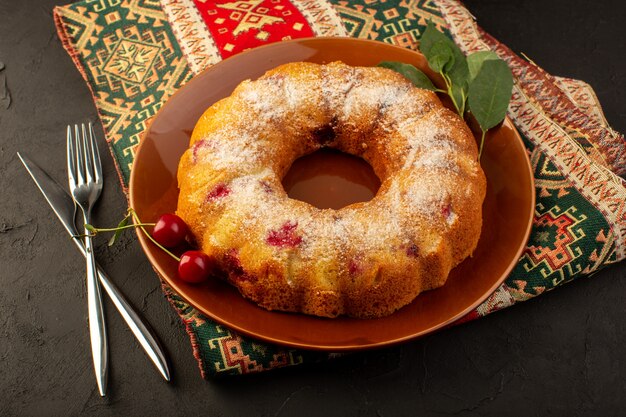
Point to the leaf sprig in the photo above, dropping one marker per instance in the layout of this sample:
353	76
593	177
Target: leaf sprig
480	83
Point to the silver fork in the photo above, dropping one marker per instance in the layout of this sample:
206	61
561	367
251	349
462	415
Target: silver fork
85	181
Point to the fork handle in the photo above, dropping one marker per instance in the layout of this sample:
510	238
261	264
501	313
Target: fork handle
97	330
144	334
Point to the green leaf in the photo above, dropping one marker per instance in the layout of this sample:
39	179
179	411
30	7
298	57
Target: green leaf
417	77
441	57
91	228
430	37
475	62
459	77
455	68
436	47
490	92
459	96
118	232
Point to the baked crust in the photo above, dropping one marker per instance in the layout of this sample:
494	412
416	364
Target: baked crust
366	259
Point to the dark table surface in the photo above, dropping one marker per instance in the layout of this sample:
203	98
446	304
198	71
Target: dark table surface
559	354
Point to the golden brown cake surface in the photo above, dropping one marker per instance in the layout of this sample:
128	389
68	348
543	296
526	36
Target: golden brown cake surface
366	259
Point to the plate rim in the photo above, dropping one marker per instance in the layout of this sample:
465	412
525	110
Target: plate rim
145	242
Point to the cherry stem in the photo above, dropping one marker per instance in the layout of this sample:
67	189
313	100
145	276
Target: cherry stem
149	236
82	236
115	229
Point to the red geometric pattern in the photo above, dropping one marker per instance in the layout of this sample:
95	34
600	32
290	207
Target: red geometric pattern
235	357
557	237
243	24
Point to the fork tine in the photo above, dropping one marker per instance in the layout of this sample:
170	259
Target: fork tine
96	154
87	155
71	158
80	160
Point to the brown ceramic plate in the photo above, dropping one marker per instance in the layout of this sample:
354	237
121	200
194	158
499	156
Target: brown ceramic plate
508	210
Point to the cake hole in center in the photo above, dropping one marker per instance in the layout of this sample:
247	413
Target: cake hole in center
328	178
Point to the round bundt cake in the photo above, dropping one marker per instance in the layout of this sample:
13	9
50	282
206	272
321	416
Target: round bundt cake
366	259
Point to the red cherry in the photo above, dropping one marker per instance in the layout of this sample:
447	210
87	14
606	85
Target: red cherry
195	266
170	230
